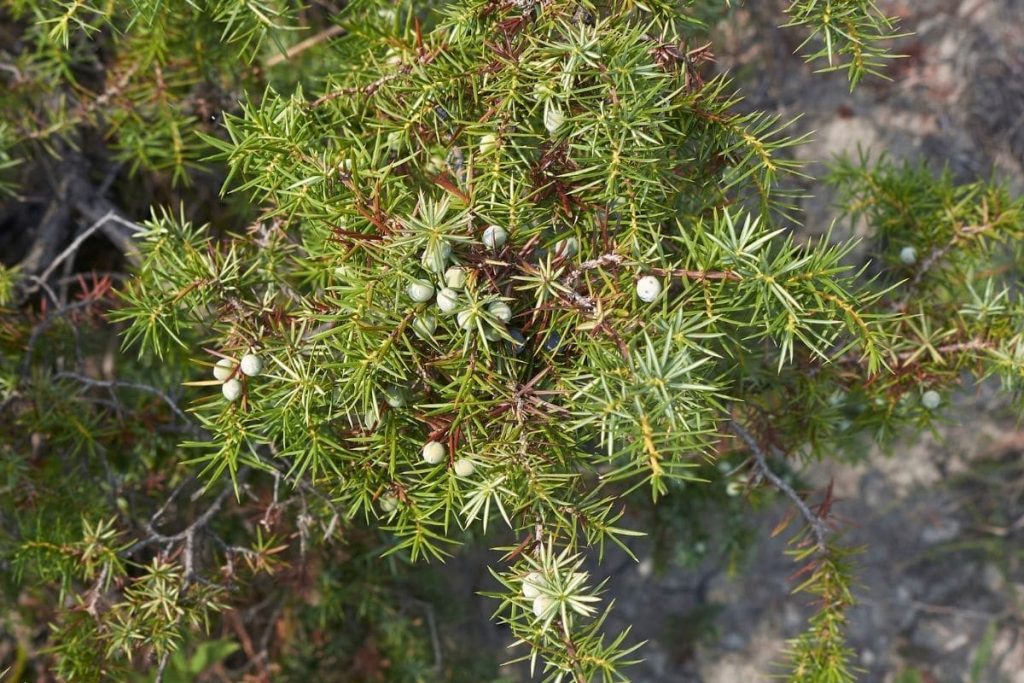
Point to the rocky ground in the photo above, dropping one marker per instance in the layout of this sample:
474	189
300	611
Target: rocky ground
942	581
941	594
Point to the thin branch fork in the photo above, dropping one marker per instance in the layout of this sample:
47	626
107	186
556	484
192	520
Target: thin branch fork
306	44
99	224
817	526
74	193
187	534
201	521
119	384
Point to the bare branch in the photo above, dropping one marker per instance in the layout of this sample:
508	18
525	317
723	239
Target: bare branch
162	667
814	522
86	234
301	47
118	384
187	534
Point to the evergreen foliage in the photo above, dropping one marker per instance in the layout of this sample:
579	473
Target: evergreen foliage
509	270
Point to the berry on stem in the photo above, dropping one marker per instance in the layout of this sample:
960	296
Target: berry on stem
251	365
488	143
648	288
436	256
447	300
532	584
434	452
464	467
500	310
224	368
396	396
553	119
389	502
466	319
495	237
420	291
541	605
455	277
424	325
231	389
908	256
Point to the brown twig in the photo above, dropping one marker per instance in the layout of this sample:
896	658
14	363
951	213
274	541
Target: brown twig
608	260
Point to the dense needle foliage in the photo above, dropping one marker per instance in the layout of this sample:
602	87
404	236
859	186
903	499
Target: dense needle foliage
505	270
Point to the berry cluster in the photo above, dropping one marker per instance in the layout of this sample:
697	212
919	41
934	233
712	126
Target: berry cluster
233	373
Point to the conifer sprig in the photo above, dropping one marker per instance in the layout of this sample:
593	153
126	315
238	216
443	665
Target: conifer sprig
848	34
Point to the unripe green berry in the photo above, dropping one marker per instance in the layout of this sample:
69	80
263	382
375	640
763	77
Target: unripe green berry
455	277
251	365
388	502
464	467
231	389
541	605
500	310
435	164
447	300
435	257
434	452
532	584
543	91
931	399
495	237
420	291
908	256
424	325
648	288
488	143
553	119
224	368
395	396
466	320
